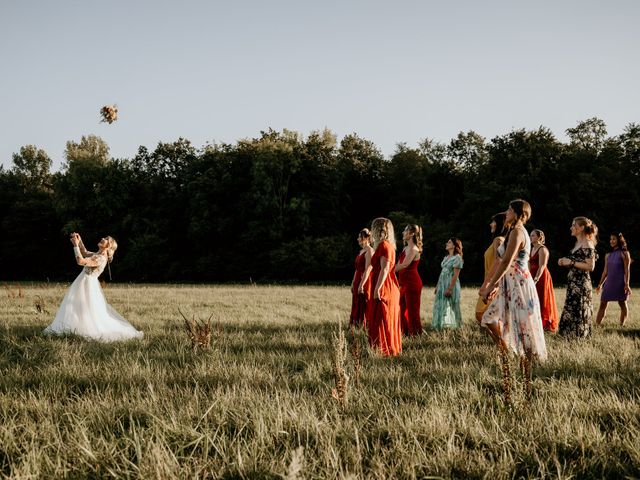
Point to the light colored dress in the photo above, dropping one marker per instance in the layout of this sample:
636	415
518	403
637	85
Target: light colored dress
84	310
516	307
446	310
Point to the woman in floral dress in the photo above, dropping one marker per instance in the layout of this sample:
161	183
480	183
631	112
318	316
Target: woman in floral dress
446	305
513	317
576	318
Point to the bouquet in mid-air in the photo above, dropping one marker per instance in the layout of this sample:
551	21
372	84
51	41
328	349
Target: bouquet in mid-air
109	113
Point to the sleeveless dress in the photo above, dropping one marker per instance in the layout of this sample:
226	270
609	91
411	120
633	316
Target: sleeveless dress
383	320
410	292
577	313
85	312
544	287
446	310
359	300
516	307
613	288
489	260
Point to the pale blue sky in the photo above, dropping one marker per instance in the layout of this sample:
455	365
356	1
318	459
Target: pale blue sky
392	71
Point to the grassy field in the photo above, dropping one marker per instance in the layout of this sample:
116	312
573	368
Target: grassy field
259	404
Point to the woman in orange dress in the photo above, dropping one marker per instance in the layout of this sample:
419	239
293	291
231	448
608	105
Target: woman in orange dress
360	285
542	278
384	308
410	281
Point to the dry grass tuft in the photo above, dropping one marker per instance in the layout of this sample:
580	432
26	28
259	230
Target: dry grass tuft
41	305
356	355
199	332
296	465
341	390
11	293
506	375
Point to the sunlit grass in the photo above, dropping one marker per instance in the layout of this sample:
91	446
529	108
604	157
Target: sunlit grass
155	409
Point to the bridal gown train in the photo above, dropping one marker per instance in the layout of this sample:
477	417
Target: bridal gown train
84	310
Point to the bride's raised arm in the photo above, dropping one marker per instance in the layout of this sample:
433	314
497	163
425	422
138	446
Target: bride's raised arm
85	253
90	260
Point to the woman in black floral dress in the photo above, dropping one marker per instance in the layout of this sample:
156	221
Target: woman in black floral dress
575	320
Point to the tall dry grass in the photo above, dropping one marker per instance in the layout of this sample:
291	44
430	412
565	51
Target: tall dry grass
258	403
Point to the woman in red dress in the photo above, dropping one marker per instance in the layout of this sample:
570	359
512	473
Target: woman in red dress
410	281
544	285
360	285
384	307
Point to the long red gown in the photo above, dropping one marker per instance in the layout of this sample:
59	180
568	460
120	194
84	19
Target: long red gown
410	292
544	287
359	300
383	320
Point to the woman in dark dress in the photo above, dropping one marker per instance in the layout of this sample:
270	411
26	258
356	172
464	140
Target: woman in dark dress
577	313
360	285
615	278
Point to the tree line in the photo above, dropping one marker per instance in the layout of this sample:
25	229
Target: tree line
288	207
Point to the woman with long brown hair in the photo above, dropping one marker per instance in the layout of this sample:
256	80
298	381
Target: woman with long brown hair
361	279
513	317
542	278
615	278
446	304
577	313
410	281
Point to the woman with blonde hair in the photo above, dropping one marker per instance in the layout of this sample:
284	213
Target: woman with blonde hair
383	321
577	313
410	281
84	310
360	288
542	278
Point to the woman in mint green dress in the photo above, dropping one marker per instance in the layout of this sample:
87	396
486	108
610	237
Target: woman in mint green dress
446	306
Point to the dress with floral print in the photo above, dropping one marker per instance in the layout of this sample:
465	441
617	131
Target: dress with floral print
576	318
516	307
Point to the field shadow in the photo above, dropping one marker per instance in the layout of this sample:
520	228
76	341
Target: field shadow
631	333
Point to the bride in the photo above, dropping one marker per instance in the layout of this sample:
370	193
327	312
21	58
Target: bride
84	310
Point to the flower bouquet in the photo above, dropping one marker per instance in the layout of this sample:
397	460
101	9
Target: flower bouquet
109	113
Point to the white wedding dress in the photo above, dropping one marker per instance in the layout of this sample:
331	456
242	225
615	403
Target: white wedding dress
84	310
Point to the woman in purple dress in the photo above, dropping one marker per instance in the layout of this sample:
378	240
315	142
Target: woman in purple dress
614	282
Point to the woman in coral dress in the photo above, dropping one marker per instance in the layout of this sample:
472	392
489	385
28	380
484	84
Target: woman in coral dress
360	285
542	278
410	281
383	321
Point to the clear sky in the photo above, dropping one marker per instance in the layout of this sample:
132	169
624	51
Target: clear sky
390	70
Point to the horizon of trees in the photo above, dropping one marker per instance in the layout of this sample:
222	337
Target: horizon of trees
285	207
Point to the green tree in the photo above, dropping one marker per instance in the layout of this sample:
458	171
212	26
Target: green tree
32	167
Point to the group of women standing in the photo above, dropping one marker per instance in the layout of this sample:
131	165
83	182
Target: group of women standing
516	300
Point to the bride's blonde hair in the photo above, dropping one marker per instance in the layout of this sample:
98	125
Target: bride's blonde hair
111	249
